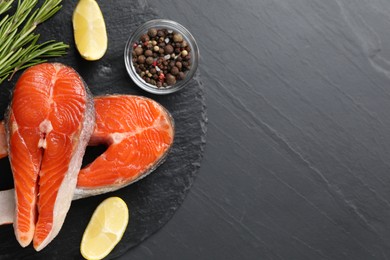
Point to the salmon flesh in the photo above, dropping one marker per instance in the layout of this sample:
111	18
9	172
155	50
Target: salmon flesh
49	123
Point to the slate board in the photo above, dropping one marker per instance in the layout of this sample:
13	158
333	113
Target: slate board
153	200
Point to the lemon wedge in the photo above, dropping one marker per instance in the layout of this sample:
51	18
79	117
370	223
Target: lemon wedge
89	30
105	229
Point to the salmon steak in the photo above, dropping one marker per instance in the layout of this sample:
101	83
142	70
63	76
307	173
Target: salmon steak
138	133
48	124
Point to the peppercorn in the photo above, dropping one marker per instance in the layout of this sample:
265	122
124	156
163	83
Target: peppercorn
138	51
141	59
168	49
156	48
184	44
149	60
175	71
152	32
170	79
177	37
148	53
182	75
184	53
144	38
178	65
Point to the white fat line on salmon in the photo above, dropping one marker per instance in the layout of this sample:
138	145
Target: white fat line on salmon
116	137
45	128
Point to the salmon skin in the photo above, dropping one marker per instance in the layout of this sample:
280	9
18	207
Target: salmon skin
119	118
49	123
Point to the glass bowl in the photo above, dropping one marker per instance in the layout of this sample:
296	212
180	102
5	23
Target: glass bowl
161	24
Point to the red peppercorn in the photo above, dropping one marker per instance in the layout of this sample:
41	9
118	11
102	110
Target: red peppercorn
161	76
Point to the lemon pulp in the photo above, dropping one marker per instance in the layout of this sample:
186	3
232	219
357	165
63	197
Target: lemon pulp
105	229
89	30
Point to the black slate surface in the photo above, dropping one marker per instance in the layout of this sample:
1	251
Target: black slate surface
151	201
298	143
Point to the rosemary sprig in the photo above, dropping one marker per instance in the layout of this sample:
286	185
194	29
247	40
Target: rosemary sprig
19	47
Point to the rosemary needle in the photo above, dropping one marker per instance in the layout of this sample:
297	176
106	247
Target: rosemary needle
19	47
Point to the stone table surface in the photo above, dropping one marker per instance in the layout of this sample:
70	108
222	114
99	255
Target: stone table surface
297	159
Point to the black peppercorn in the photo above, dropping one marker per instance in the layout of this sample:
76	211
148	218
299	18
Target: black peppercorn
149	60
138	51
175	71
171	80
182	75
141	59
168	49
178	64
148	53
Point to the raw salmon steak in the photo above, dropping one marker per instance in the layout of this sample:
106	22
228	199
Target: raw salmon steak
138	132
49	122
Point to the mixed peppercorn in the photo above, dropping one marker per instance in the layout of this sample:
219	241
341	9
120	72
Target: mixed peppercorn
161	57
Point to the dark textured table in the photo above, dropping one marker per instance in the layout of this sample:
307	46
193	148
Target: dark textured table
297	160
